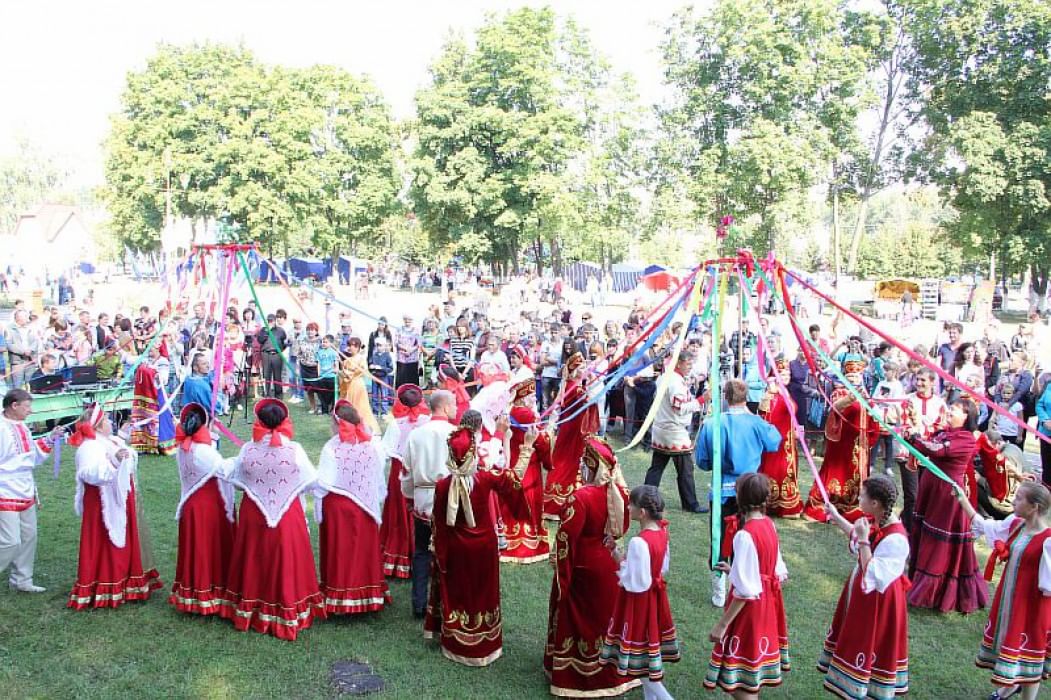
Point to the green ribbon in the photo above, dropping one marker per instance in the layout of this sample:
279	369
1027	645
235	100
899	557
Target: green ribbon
717	427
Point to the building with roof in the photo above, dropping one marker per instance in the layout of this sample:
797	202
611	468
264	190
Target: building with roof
55	237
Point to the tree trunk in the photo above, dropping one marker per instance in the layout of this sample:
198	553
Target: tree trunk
556	257
859	230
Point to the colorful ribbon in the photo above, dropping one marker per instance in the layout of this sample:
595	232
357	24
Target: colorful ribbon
717	424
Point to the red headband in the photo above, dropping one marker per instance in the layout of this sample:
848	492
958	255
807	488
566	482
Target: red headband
260	431
202	437
86	430
351	433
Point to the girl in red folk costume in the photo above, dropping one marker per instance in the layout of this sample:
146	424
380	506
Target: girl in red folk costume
523	512
347	501
943	566
206	517
641	634
272	584
751	638
1016	644
580	422
866	653
781	466
396	528
849	433
110	571
585	587
464	608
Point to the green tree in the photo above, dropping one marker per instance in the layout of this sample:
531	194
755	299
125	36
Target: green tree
985	68
496	131
766	97
290	158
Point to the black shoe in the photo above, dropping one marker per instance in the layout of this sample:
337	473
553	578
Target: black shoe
699	509
419	614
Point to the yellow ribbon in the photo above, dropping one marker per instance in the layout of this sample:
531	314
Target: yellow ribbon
662	386
460	490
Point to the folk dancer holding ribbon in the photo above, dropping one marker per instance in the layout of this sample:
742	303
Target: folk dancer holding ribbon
670	438
1015	642
849	433
112	567
19	455
577	423
781	466
745	438
585	586
522	513
923	414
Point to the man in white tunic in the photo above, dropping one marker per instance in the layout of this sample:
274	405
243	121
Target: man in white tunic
671	435
19	454
425	459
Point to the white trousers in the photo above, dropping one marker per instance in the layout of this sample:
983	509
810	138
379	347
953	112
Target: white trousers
18	544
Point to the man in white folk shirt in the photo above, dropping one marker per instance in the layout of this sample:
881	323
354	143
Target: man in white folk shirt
671	440
19	454
426	463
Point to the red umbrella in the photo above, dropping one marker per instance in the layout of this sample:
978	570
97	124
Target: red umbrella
660	281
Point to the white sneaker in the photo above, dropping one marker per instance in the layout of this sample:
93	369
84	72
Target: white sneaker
295	399
718	589
27	588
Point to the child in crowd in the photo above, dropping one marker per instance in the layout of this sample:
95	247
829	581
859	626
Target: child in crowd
888	394
1008	428
327	372
381	367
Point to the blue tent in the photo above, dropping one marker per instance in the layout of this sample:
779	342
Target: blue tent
577	274
625	277
305	268
348	268
650	269
266	273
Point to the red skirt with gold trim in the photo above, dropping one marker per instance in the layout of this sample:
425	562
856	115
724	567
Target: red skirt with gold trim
396	530
206	539
109	576
351	568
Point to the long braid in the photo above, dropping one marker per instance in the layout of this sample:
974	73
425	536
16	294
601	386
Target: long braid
882	489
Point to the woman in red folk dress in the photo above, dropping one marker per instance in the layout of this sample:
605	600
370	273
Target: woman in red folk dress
396	530
464	607
751	638
849	433
347	501
866	652
206	518
641	634
110	569
578	423
943	566
523	512
272	584
1016	644
781	466
585	586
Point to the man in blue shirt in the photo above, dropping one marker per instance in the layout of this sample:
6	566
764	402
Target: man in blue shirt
744	438
198	386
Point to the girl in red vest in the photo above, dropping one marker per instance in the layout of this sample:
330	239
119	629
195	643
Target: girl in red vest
751	638
641	634
1016	644
871	622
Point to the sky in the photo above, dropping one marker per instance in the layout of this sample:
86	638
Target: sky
63	64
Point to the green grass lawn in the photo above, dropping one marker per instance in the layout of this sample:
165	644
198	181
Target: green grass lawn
147	650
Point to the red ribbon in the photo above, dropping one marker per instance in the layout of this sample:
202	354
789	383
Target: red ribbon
400	410
352	433
82	432
201	437
260	431
1000	553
